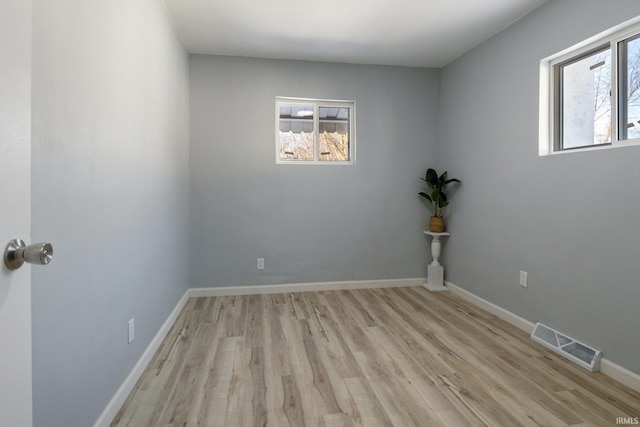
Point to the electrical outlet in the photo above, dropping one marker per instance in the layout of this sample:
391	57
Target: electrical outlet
524	279
260	263
131	331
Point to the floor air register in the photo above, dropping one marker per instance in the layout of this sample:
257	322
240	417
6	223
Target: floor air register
582	354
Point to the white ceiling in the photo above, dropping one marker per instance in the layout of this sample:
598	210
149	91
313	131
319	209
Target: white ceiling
422	33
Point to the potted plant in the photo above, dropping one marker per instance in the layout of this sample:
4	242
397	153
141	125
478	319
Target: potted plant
437	198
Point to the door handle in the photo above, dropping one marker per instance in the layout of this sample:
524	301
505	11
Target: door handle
17	253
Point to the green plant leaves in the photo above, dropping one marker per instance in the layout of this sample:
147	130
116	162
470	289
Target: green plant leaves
426	196
431	177
437	185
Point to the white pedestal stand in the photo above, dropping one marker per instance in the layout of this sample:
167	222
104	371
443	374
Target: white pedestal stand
435	271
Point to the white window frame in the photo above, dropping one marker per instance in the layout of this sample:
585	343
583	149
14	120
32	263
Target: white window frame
550	101
317	103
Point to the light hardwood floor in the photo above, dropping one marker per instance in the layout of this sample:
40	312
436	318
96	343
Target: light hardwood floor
379	357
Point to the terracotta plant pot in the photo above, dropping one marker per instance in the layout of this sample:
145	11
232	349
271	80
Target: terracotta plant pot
436	224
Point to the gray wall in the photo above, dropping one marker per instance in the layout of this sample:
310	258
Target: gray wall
570	220
110	191
310	223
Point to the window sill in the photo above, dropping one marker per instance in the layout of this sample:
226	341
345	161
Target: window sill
547	152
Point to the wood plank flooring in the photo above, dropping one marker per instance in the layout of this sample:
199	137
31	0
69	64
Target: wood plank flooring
377	357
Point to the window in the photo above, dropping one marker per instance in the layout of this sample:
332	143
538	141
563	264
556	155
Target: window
584	89
594	96
315	131
630	88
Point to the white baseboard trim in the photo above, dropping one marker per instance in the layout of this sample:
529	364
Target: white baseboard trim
303	287
620	374
607	367
118	399
506	315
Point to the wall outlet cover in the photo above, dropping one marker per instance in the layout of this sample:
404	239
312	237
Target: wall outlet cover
524	278
131	331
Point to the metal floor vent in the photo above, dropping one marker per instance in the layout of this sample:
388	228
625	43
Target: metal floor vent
583	355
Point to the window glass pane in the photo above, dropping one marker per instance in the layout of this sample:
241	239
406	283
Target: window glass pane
630	87
296	132
334	138
586	101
